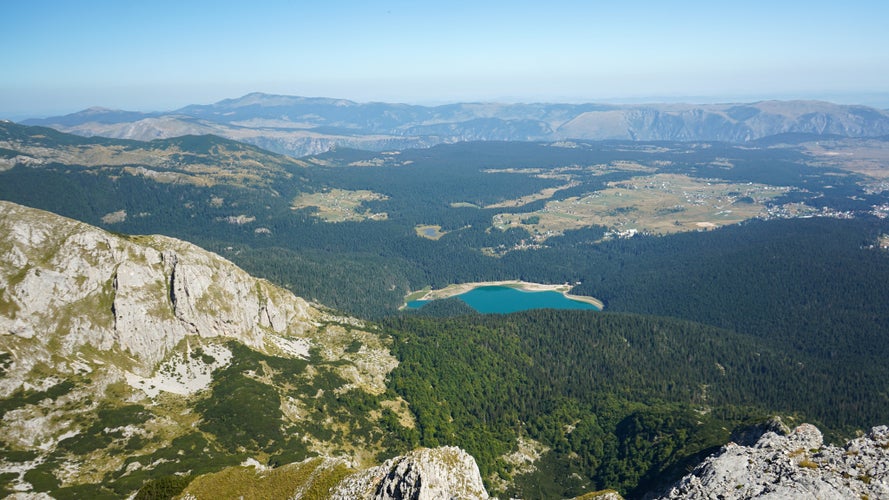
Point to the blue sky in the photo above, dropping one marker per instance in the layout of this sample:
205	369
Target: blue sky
63	56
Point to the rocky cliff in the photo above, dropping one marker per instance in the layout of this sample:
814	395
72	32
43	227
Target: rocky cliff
110	346
126	358
72	285
424	474
795	465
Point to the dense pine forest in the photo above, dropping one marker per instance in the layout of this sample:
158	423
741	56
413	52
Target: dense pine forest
703	333
653	391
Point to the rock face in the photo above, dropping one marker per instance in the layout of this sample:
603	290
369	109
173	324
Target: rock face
797	465
424	474
120	354
71	284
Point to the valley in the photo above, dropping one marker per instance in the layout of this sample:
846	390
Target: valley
734	282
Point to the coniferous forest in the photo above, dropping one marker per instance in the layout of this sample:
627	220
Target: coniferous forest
703	333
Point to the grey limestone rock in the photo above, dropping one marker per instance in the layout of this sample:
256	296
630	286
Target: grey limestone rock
67	285
425	474
796	465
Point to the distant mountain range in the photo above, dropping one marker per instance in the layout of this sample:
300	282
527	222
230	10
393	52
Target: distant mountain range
299	126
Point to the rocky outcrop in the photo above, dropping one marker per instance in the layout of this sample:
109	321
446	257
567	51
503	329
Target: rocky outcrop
111	340
68	285
796	465
423	474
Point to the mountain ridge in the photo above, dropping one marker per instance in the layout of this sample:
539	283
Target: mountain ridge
117	281
122	355
205	159
299	126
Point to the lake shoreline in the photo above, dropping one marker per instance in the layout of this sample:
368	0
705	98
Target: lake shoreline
461	288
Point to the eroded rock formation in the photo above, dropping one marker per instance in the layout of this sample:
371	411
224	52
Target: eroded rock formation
796	465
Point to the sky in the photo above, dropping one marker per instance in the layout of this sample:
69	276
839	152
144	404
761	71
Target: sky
62	56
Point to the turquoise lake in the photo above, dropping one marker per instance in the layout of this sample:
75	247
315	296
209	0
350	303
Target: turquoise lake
504	299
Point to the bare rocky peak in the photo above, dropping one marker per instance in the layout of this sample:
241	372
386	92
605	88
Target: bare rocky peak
424	474
443	473
67	285
797	466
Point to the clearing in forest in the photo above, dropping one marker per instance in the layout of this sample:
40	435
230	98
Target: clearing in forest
655	204
340	205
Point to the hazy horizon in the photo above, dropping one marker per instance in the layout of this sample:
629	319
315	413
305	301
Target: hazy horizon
62	57
879	101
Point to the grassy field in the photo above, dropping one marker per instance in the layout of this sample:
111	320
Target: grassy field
544	194
656	204
865	157
868	157
568	174
340	205
309	479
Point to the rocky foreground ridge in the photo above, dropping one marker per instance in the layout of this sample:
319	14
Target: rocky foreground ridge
124	359
796	465
424	474
446	472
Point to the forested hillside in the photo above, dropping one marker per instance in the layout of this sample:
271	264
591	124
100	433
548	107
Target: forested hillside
623	401
752	283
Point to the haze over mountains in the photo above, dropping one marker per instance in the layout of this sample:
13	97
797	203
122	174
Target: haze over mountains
299	126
